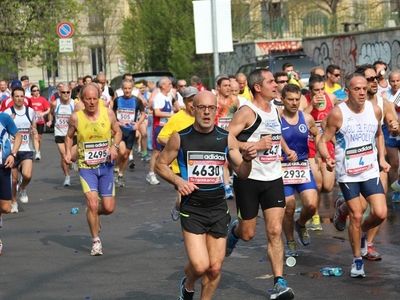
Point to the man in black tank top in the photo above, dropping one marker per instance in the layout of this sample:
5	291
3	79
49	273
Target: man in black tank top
201	150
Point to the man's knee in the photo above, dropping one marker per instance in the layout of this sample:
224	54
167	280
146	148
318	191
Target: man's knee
215	270
247	233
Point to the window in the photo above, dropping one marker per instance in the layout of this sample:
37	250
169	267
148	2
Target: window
96	21
273	17
97	59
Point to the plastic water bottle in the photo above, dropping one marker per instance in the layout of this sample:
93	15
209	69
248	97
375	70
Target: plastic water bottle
327	271
74	210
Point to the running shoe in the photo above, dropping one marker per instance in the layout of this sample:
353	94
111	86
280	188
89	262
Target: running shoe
371	254
357	269
396	197
184	294
304	237
232	240
23	196
152	179
395	186
1	220
120	182
97	248
38	156
116	171
67	181
339	218
364	244
131	164
14	207
146	158
316	223
1	246
175	213
19	182
228	193
291	249
282	291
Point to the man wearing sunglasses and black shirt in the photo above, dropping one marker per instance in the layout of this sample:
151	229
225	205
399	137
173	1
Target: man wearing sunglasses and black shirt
61	110
332	79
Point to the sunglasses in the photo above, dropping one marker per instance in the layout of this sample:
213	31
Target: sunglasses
372	78
282	81
337	75
35	90
65	92
183	85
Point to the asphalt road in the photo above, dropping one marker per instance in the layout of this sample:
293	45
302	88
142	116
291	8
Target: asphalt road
46	252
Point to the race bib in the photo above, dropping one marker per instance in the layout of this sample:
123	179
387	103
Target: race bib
25	135
163	121
296	172
273	154
359	159
126	115
205	167
318	124
96	152
38	117
224	122
62	121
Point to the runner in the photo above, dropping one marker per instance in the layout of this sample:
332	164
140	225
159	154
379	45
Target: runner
93	126
297	176
258	123
201	150
359	140
7	160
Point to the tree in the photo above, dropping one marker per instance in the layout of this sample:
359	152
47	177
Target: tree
28	31
159	35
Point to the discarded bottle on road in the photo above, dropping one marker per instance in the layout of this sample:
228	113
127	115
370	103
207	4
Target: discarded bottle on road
331	271
74	210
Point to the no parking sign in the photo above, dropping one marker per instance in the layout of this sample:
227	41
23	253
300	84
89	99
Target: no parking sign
65	30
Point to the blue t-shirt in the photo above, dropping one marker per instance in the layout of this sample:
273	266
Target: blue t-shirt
7	127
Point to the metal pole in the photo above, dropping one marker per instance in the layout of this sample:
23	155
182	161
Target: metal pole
215	36
66	57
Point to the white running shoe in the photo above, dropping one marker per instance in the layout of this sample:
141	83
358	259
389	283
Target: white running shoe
175	213
67	181
14	207
38	156
23	196
152	179
97	249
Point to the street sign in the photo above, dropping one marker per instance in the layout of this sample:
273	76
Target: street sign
66	45
65	30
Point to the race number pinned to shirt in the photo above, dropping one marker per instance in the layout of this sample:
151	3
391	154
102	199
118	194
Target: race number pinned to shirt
62	120
126	114
296	172
205	167
359	159
96	152
39	117
318	124
272	154
224	122
25	135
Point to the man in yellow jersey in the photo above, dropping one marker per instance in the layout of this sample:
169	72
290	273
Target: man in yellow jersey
332	79
244	91
96	155
181	120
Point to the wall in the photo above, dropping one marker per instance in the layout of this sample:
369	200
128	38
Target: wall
356	48
244	53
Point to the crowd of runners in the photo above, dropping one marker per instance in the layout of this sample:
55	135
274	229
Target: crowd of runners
257	139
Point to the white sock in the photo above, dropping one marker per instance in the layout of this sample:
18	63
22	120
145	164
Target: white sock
96	239
130	157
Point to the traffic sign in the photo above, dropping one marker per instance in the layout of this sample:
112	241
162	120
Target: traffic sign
65	30
66	45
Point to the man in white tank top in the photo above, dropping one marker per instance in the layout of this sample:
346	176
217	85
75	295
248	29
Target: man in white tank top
61	110
359	146
258	123
389	118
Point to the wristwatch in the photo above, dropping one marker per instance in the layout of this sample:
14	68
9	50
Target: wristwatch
116	146
13	154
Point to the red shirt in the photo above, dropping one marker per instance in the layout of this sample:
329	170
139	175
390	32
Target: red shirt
201	87
8	102
39	105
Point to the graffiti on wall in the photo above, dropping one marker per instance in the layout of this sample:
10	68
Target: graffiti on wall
267	47
383	51
341	52
231	61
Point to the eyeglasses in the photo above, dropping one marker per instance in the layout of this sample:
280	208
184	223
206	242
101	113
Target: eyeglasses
35	90
204	107
337	75
372	78
183	85
65	92
282	81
